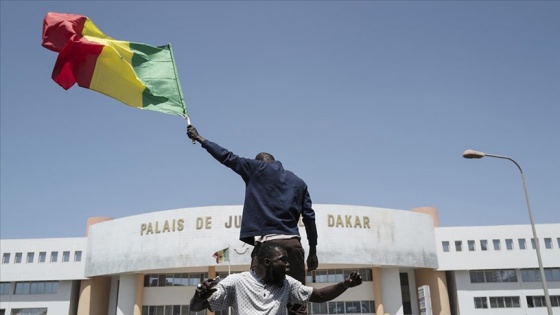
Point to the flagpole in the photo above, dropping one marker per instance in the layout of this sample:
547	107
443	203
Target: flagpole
228	270
229	262
185	113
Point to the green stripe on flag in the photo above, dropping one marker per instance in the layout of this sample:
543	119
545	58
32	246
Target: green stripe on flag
155	68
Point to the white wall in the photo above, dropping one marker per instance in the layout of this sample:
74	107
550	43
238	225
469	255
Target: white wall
58	303
467	291
189	237
516	259
43	271
492	259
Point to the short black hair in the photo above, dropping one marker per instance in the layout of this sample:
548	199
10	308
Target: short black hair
265	157
266	250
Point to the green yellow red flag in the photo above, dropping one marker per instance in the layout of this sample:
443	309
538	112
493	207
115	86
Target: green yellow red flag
221	255
138	75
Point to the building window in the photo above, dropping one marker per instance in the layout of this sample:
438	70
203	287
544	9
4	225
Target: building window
493	276
174	309
36	287
480	302
54	257
483	245
336	307
6	258
533	243
5	288
181	279
509	244
18	258
319	308
29	311
177	279
504	301
496	244
522	243
30	258
78	256
65	256
548	243
343	307
534	275
328	275
335	275
539	301
458	246
471	246
558	241
195	278
445	245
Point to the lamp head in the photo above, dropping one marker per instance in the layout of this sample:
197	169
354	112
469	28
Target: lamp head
472	154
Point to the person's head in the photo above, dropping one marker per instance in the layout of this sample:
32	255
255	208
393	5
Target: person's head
265	157
274	260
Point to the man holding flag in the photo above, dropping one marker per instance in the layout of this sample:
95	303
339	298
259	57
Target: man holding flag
275	199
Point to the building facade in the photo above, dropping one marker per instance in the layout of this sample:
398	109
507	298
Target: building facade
150	264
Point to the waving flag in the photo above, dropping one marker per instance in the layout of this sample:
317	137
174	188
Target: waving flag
138	75
221	255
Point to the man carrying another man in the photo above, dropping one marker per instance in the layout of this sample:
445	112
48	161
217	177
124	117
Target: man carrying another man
266	289
275	199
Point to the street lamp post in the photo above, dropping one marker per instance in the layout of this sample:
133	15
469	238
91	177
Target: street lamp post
472	154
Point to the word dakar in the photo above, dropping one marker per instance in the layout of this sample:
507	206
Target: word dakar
234	221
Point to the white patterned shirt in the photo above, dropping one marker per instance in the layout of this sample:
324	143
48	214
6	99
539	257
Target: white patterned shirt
247	294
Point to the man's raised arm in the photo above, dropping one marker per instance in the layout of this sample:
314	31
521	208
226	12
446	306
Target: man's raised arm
333	291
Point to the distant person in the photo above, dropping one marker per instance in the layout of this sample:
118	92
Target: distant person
266	289
275	199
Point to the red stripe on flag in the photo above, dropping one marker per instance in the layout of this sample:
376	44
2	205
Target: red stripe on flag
76	62
58	29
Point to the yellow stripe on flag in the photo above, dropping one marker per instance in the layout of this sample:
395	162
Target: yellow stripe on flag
114	75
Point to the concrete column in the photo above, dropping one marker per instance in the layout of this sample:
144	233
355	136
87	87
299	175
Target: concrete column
94	296
211	271
211	274
139	296
438	289
377	290
392	298
128	286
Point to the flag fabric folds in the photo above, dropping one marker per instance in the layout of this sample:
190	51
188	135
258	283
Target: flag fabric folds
138	75
221	255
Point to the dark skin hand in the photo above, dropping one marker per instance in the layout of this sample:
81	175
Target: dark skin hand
312	260
192	133
328	293
203	291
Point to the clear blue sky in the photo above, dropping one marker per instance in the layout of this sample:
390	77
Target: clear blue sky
371	102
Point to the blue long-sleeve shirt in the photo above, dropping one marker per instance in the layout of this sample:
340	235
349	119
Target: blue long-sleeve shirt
275	198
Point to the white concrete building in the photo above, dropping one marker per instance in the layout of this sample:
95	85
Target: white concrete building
151	263
495	268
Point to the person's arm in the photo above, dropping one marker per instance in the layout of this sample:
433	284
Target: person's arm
308	218
203	291
241	166
333	291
